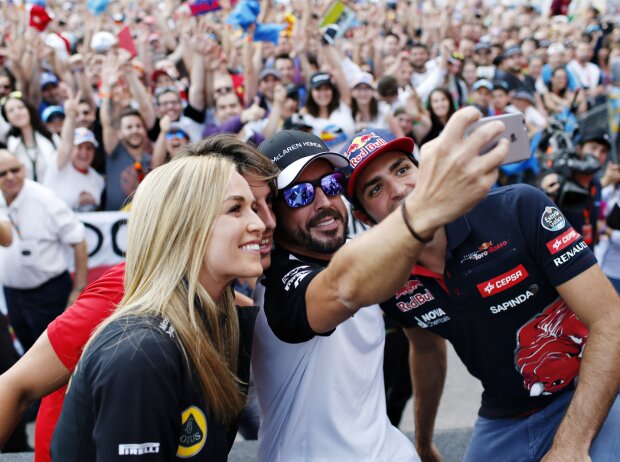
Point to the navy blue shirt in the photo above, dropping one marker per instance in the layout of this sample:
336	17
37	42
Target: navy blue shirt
496	301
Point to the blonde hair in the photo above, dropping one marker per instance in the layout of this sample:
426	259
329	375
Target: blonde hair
172	218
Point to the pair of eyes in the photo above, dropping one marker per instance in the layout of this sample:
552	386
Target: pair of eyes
378	187
236	208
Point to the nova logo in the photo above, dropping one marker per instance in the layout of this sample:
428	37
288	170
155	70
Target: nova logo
432	318
502	282
562	241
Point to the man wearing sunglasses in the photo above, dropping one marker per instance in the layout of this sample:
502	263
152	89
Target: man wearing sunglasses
517	292
318	345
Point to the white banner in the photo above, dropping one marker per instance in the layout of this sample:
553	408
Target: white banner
106	235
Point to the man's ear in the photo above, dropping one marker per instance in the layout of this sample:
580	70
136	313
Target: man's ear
363	217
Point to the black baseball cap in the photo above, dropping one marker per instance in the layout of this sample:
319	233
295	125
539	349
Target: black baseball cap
597	135
293	150
320	78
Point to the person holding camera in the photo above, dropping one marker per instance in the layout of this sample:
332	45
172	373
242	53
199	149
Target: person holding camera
574	186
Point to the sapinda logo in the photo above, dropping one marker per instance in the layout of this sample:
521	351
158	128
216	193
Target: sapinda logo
562	241
502	282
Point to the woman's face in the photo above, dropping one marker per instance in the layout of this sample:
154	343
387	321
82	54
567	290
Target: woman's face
440	104
17	113
234	248
323	95
559	81
362	94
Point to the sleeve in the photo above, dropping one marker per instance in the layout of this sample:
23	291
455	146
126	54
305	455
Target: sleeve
285	301
68	228
70	331
556	246
154	131
136	398
194	114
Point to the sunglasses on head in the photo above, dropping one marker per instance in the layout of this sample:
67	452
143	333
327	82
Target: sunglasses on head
176	134
14	171
12	95
302	194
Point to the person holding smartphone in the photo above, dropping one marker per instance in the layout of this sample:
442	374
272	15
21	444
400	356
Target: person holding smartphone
515	289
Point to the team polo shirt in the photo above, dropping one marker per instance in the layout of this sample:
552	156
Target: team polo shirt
321	397
496	301
133	395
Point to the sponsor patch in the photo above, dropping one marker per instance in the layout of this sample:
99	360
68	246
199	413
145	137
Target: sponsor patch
502	282
529	293
552	219
485	249
193	432
562	241
295	276
408	288
570	253
138	449
415	301
432	318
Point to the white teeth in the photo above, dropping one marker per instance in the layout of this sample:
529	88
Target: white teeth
264	241
326	223
250	247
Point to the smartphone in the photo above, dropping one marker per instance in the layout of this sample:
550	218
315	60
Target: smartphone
515	132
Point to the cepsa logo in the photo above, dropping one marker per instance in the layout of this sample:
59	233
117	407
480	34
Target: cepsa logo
486	248
363	146
562	241
502	282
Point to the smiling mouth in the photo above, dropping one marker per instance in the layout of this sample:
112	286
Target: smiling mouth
265	245
250	248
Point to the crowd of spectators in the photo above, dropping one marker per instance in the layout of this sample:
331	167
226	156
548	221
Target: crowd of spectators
91	101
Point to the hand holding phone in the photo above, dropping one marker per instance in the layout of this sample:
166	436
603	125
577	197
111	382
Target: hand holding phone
515	132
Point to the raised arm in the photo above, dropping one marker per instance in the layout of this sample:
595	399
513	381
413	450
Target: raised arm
452	179
109	77
334	58
595	302
72	106
159	150
138	92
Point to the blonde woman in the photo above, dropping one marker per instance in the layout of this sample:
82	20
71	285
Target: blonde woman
160	376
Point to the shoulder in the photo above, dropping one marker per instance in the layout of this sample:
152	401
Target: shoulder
135	348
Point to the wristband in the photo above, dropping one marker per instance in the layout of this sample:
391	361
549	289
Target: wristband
403	209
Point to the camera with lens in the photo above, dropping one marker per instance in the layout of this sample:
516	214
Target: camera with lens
571	195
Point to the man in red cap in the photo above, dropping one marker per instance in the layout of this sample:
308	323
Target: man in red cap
519	295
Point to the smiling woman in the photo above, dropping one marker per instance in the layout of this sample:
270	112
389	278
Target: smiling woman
176	346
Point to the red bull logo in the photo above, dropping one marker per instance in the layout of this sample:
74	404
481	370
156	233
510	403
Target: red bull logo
362	146
408	288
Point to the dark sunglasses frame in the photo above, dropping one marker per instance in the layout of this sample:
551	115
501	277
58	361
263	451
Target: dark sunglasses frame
302	194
